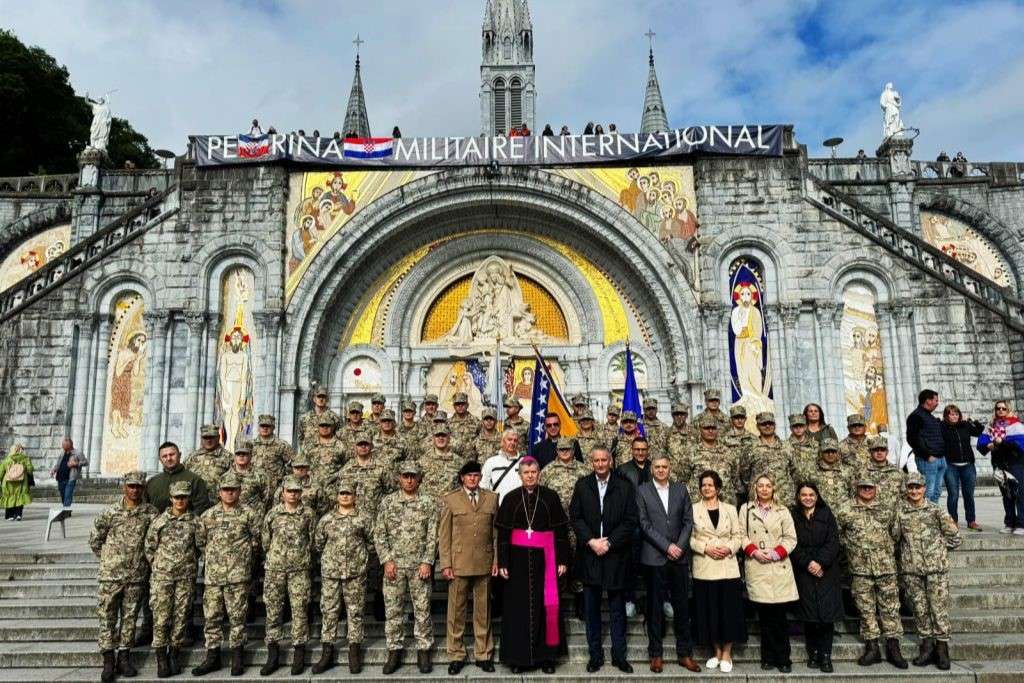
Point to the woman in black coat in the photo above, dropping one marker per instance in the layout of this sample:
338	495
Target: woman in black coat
961	473
816	566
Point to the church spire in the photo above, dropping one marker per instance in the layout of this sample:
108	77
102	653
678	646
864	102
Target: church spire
356	120
507	95
655	118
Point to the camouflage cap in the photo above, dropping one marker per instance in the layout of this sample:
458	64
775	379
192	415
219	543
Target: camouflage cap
614	409
914	479
488	412
209	430
865	480
355	407
430	398
876	443
854	420
737	411
765	418
564	443
364	437
321	391
460	397
230	480
300	461
707	421
578	400
829	445
267	421
134	479
440	416
346	486
409	405
327	420
588	414
680	408
797	419
627	416
441	430
409	467
378	398
387	415
244	446
712	395
292	484
180	488
650	403
512	402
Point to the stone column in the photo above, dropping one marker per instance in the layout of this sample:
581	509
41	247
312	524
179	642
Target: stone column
895	399
829	315
901	184
88	195
790	316
153	407
208	391
99	400
196	334
903	317
777	359
270	329
83	373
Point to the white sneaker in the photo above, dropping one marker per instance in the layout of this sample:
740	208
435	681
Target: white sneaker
1006	530
711	663
1016	532
725	666
667	610
630	610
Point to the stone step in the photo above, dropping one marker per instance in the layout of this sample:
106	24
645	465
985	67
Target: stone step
23	558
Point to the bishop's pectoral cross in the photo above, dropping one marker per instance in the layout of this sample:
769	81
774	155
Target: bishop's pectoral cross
529	532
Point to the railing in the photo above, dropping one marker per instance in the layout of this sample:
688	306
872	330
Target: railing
916	251
61	184
87	253
848	169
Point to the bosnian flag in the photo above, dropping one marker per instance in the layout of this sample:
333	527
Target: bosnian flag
368	148
252	147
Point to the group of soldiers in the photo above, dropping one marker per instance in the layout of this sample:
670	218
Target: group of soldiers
359	504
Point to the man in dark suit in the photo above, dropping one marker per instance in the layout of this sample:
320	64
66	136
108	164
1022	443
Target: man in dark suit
666	521
604	516
546	450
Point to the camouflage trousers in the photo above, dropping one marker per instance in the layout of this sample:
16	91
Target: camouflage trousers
170	600
294	587
407	582
929	598
118	607
231	600
878	600
332	591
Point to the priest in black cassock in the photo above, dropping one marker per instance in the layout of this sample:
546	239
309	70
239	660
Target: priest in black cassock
533	551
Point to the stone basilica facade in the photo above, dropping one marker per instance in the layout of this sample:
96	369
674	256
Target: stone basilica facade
136	306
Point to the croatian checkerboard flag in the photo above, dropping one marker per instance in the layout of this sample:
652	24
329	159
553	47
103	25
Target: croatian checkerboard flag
369	148
547	399
253	146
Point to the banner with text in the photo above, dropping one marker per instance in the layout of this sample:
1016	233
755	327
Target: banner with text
535	150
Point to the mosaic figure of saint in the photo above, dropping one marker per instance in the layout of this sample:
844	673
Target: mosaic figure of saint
126	385
750	369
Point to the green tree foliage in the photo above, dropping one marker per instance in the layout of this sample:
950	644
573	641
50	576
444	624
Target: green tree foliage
44	124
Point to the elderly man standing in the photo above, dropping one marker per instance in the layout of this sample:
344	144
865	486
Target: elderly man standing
68	470
466	548
499	473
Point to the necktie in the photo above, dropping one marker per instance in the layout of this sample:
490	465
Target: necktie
472	499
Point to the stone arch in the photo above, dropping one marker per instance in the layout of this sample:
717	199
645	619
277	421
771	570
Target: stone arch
861	272
12	234
218	255
389	382
761	250
113	287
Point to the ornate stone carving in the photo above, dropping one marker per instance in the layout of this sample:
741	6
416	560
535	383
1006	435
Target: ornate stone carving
790	314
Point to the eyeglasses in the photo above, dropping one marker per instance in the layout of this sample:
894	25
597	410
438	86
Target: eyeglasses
551	424
1001	409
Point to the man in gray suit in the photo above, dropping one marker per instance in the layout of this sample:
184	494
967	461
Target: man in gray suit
666	521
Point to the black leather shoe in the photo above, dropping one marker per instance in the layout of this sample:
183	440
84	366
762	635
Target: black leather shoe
455	667
623	666
548	668
594	665
486	665
765	666
785	668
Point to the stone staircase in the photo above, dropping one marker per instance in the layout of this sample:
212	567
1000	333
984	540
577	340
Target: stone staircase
48	626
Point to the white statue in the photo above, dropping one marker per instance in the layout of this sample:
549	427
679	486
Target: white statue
891	102
99	131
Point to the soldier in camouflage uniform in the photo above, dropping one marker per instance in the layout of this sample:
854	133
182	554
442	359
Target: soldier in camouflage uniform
712	404
869	531
711	454
854	448
408	428
370	477
342	538
210	460
889	480
622	448
610	428
463	426
833	479
736	437
228	534
377	406
271	456
173	558
326	452
405	537
588	436
438	421
440	465
118	538
354	428
773	456
316	494
426	422
654	429
926	535
389	448
310	421
256	492
488	439
513	420
560	475
577	404
805	447
287	540
680	438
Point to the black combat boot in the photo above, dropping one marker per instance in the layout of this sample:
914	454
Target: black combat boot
423	661
394	661
355	658
108	667
326	658
124	664
174	659
273	660
237	668
942	655
925	653
163	666
871	654
893	654
298	660
211	663
825	663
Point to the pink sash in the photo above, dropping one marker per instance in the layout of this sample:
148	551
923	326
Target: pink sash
545	540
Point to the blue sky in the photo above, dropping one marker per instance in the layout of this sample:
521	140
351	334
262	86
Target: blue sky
209	66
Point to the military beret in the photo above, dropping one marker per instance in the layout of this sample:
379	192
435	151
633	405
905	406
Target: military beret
378	398
765	418
628	416
705	421
914	479
409	405
364	437
737	411
712	395
387	414
588	414
180	488
512	402
346	486
209	430
470	467
134	479
267	421
614	409
563	443
440	416
489	412
829	445
441	430
430	398
797	419
409	467
230	480
578	400
460	397
650	403
866	481
292	484
680	408
877	443
300	461
321	391
327	420
355	407
855	420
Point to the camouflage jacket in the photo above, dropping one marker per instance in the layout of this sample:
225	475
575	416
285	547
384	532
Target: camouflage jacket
464	429
610	432
325	458
739	441
118	538
440	471
834	482
309	424
272	457
805	453
776	459
588	441
287	538
927	534
720	417
229	540
171	546
256	491
372	482
348	434
622	450
889	482
406	529
678	444
316	494
854	454
343	542
209	465
719	458
562	477
484	446
657	433
868	532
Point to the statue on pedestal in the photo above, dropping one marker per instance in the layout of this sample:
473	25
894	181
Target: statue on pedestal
99	131
891	103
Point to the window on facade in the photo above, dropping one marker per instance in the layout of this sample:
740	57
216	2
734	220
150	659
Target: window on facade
500	120
516	88
506	49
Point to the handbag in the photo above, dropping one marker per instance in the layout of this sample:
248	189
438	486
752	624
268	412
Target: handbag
15	473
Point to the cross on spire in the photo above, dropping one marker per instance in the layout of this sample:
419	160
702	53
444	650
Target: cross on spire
358	42
650	37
